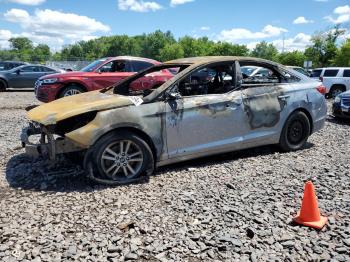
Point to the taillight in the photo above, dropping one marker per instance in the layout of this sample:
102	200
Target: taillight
322	89
321	78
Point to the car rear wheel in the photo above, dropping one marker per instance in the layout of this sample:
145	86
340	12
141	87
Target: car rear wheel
295	132
121	158
71	90
3	85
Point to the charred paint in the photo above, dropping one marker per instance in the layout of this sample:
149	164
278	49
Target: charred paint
263	106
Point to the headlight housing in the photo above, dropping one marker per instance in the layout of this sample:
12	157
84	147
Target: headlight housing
337	99
49	80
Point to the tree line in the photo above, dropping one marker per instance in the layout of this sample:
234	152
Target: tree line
324	49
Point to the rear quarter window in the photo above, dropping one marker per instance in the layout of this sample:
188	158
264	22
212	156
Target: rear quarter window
330	72
140	65
346	73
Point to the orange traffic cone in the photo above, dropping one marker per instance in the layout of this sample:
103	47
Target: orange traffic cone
309	214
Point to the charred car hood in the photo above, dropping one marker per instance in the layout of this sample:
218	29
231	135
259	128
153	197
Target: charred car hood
51	113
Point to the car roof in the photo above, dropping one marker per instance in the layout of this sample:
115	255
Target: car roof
211	59
334	67
135	58
17	62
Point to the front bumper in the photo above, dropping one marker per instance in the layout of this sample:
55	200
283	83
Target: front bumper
48	146
47	93
341	110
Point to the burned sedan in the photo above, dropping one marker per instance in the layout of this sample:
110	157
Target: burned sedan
123	134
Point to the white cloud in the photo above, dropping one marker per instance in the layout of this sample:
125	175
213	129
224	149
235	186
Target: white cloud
342	13
302	20
179	2
53	27
5	35
205	28
341	10
138	6
17	16
54	23
242	33
298	42
28	2
252	45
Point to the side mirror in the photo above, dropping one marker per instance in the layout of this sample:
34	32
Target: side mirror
18	71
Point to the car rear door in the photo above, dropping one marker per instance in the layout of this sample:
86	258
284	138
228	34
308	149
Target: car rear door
145	82
265	99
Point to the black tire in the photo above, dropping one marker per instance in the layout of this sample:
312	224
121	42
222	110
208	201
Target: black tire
3	85
336	90
71	90
295	132
112	141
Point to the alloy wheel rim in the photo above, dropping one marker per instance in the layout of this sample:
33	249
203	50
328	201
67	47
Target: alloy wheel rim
72	92
122	159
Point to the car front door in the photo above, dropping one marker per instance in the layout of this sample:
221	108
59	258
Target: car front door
203	124
110	74
25	77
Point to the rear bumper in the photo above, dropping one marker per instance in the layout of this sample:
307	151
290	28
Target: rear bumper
48	146
340	110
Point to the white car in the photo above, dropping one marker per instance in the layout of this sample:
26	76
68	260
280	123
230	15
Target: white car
335	79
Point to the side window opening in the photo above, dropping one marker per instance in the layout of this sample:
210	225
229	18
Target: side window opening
289	77
216	79
346	73
28	69
115	66
140	65
254	74
316	73
330	73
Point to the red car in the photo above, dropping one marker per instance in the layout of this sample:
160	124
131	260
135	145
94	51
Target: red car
97	75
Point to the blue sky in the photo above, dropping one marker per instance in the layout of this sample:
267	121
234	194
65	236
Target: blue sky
60	22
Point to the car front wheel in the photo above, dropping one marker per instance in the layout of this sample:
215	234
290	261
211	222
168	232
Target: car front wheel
71	90
295	132
121	158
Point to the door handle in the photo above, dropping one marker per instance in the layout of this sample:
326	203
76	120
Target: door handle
283	97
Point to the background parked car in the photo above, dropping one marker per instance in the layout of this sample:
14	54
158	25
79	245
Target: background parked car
335	79
97	75
300	70
341	105
8	65
24	76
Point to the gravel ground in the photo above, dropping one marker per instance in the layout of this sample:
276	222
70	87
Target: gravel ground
237	206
